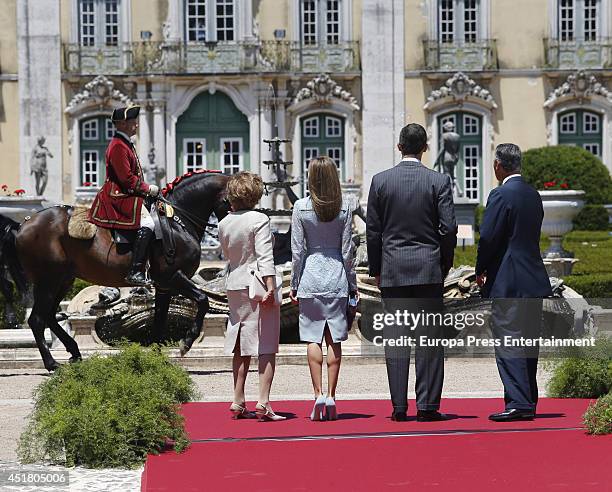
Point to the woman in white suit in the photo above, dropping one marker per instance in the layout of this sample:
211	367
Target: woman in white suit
254	325
323	276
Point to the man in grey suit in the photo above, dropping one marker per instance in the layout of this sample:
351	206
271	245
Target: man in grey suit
411	238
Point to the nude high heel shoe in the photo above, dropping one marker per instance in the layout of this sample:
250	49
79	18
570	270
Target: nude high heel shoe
240	412
266	414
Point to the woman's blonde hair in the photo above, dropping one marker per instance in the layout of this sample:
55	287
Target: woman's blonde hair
244	190
324	187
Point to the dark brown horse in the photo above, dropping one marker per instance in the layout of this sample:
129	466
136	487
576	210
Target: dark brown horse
41	252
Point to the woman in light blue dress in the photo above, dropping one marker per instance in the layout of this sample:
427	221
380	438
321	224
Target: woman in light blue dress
323	276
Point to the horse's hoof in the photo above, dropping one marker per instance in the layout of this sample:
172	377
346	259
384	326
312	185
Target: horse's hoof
75	358
52	367
183	348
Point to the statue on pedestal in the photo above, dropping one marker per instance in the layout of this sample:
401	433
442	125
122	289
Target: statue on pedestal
38	165
448	157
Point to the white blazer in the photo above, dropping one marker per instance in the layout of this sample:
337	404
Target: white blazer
246	241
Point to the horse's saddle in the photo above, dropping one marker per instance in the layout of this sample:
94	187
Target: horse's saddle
162	214
79	226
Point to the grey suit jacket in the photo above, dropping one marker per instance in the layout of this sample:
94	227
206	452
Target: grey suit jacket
411	227
246	242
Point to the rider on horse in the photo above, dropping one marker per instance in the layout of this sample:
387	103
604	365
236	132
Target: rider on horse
120	202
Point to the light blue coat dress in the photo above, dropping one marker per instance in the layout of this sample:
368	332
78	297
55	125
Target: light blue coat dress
323	270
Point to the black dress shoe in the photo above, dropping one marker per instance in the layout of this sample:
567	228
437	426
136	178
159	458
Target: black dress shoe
430	416
511	415
399	417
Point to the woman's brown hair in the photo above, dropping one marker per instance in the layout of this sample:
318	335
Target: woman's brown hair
244	190
324	187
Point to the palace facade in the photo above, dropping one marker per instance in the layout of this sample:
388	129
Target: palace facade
337	77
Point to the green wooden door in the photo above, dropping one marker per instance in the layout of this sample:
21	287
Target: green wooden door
581	128
322	134
94	136
469	168
212	134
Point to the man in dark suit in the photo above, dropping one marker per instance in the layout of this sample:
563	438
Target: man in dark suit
510	270
411	238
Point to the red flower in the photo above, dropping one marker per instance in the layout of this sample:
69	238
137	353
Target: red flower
19	192
86	183
4	187
564	186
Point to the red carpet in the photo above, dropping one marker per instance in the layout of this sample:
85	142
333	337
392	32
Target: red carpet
365	450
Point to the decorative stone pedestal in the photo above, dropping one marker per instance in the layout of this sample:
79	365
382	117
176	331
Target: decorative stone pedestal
465	213
559	267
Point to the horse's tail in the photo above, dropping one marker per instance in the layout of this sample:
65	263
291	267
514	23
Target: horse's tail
8	253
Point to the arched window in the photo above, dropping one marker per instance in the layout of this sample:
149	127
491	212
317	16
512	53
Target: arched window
581	128
322	134
212	134
468	171
95	134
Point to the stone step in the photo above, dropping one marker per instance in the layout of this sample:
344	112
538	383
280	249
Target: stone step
20	338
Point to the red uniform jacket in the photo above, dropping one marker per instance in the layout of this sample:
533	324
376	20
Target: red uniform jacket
118	203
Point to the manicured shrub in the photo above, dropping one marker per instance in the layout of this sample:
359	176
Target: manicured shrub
575	166
592	218
598	417
582	372
591	286
108	411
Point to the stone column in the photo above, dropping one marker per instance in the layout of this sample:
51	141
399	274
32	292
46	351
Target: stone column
40	110
144	134
383	85
159	132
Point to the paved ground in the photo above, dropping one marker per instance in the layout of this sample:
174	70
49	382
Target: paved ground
463	378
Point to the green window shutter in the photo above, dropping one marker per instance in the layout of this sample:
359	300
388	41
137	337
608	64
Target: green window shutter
212	134
322	134
581	128
94	136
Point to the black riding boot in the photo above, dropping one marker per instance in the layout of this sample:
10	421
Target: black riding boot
136	275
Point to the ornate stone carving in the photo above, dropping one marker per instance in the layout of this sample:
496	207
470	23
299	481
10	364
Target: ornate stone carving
322	89
99	91
579	85
460	88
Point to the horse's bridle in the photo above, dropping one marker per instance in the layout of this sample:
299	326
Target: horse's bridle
189	216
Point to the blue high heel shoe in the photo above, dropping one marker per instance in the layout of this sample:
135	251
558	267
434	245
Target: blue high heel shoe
331	412
317	411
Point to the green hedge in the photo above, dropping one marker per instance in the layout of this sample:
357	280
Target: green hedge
20	311
574	165
108	411
581	372
598	417
592	218
592	286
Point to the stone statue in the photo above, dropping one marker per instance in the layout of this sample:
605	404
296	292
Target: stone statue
154	172
38	165
447	159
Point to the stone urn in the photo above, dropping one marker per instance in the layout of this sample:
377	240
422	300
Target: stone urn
608	208
560	208
18	207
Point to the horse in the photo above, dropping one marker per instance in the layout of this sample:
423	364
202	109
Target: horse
40	253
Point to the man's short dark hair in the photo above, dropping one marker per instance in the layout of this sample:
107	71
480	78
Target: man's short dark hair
509	156
413	139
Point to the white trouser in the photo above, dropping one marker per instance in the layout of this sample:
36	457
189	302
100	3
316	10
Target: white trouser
145	219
